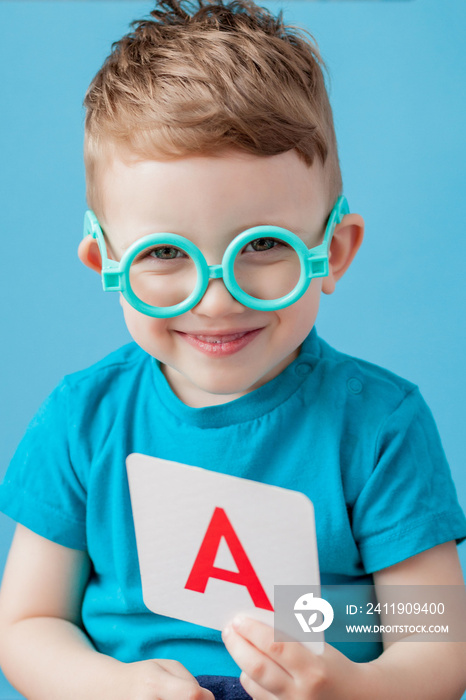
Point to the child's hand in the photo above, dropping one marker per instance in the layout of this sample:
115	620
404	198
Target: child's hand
162	679
288	670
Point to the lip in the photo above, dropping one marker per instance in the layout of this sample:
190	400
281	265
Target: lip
220	343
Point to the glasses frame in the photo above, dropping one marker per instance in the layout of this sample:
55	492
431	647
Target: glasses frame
314	262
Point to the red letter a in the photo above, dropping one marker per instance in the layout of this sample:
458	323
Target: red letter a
203	567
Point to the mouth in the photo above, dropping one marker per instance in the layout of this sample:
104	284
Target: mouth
223	338
221	343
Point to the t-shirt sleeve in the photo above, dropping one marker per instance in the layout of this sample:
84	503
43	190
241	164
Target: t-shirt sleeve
42	489
409	503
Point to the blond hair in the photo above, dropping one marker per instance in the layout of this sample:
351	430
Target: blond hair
200	77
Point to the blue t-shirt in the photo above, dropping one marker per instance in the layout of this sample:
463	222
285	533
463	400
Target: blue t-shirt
359	441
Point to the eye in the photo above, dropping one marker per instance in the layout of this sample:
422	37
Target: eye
259	245
165	252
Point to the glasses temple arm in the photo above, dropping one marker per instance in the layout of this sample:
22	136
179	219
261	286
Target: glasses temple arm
111	274
318	256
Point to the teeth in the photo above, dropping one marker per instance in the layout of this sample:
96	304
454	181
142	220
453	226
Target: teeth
216	339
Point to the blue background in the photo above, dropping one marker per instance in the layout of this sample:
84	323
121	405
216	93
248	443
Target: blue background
397	85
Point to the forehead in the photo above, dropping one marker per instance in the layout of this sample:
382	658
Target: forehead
202	195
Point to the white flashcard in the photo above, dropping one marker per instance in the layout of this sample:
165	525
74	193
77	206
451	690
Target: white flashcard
212	545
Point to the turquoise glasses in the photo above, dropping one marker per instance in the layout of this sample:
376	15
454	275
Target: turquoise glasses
265	268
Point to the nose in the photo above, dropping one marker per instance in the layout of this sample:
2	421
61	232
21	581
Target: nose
217	301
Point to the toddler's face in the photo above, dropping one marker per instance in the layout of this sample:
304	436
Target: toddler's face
219	350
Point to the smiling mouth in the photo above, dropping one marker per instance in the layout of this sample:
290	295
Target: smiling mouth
217	339
220	344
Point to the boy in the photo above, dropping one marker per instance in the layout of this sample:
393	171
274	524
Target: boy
206	125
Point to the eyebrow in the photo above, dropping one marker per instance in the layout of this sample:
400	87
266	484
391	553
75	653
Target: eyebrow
302	233
305	234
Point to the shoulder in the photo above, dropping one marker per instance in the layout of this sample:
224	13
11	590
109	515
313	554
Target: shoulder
87	405
94	396
364	400
367	382
118	367
82	392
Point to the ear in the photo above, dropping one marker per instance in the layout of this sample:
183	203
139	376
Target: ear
89	253
346	241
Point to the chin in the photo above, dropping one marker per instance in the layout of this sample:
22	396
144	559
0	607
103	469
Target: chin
225	385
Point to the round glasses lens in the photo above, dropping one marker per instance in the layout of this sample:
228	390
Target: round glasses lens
267	268
162	275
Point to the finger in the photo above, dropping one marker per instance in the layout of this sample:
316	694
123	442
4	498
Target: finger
256	665
176	669
254	690
291	656
176	682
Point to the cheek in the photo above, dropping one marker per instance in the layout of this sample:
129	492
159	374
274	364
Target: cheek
149	333
300	317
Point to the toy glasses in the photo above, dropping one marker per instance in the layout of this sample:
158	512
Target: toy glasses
265	268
